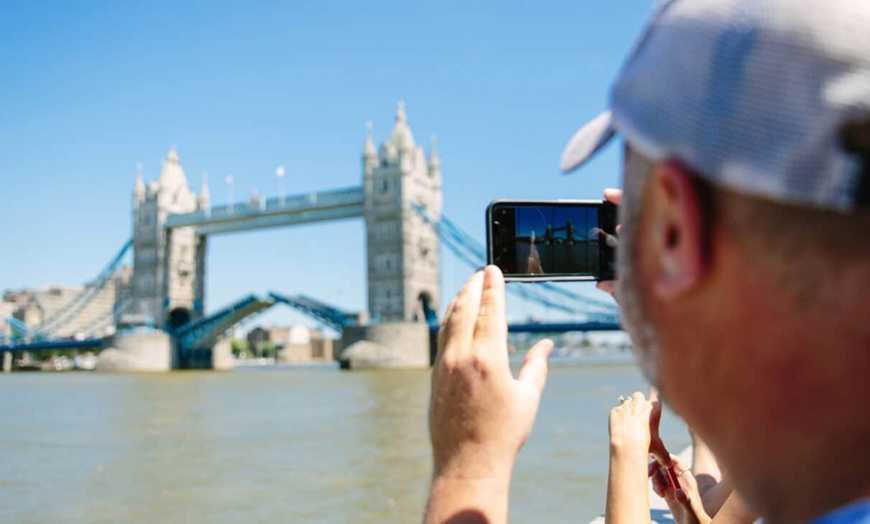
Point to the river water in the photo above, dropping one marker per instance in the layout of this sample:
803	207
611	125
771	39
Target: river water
279	444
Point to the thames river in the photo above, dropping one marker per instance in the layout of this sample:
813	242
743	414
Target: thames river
279	444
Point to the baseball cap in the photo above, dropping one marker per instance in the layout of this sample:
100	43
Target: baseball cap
750	94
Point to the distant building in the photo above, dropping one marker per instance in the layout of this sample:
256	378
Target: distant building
294	344
68	311
6	310
260	336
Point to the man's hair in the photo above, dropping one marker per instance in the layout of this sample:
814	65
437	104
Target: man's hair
797	247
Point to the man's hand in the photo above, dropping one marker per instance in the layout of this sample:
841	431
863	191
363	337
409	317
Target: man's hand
479	414
614	196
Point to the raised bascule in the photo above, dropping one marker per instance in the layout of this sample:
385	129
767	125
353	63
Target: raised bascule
163	324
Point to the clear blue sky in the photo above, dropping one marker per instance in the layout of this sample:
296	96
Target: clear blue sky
89	89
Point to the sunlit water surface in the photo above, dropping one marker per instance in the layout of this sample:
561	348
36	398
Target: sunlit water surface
279	444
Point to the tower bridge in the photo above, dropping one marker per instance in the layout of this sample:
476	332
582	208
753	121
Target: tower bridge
162	324
172	225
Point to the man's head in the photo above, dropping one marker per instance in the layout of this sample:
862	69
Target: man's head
749	315
745	250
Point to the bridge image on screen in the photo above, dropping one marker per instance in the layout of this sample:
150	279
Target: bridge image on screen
557	240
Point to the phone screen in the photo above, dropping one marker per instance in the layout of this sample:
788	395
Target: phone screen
552	240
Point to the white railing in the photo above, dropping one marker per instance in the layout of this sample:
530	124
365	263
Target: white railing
272	206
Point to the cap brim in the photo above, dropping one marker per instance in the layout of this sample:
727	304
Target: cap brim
588	141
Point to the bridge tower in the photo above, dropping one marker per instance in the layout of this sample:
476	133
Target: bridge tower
402	254
168	264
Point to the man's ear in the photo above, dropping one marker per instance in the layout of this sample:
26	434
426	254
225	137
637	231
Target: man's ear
676	230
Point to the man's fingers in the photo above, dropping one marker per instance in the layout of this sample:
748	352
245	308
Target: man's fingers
614	196
490	330
605	285
458	329
442	331
534	370
450	308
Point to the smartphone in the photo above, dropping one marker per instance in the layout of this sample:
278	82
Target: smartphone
552	240
673	479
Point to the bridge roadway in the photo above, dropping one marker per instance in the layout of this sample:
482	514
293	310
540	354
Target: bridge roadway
274	212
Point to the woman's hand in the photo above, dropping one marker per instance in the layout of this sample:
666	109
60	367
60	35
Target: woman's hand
634	434
683	500
634	427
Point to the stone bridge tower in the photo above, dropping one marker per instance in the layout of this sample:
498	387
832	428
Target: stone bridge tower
168	265
403	250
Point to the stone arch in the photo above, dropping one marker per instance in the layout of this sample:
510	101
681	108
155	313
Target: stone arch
178	317
425	300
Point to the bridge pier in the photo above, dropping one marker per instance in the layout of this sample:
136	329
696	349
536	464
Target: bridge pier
219	357
133	352
7	361
222	355
389	345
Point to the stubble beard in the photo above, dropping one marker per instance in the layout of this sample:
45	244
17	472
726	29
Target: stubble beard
644	336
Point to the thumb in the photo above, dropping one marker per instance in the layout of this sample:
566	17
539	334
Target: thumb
658	450
534	370
656	446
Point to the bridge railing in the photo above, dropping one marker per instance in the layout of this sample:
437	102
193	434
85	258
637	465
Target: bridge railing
266	206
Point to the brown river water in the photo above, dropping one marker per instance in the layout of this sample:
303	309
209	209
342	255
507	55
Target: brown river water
280	444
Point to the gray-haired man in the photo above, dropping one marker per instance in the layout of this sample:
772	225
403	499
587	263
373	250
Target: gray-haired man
744	264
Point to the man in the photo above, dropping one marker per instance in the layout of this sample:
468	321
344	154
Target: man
744	263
